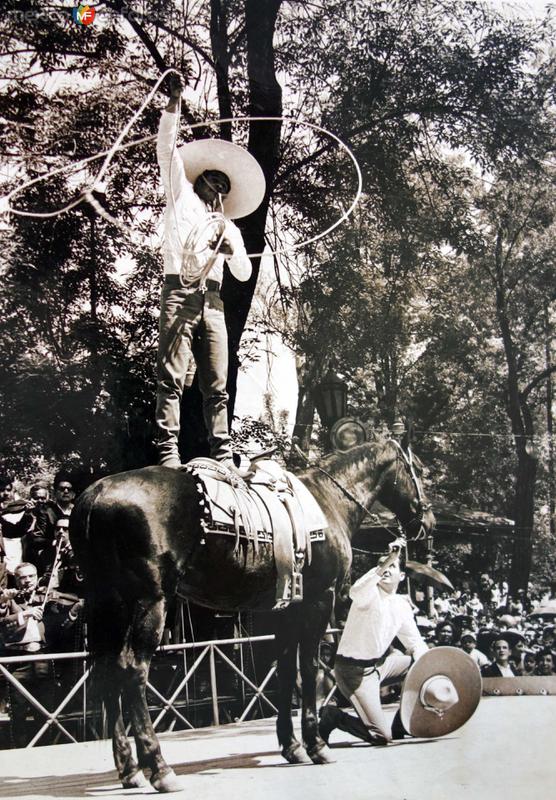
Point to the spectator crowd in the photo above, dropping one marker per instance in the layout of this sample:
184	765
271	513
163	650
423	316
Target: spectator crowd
40	597
506	636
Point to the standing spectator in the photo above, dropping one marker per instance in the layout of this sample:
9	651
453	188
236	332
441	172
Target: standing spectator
504	597
442	605
62	565
36	540
469	644
60	507
501	666
64	495
495	596
15	522
485	589
474	605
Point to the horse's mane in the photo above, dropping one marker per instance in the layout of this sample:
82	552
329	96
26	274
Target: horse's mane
355	456
340	461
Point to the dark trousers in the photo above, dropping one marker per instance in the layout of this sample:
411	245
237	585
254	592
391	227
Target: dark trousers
361	685
186	317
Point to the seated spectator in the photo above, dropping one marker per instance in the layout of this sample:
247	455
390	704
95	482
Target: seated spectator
444	634
547	638
21	633
468	642
530	635
15	523
528	664
505	621
517	646
545	662
501	666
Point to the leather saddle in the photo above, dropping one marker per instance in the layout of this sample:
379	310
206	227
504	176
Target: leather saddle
263	505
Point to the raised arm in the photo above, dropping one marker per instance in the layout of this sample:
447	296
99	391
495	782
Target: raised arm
361	591
171	166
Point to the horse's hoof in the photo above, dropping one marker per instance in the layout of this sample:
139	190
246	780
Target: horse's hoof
296	754
321	755
169	782
135	781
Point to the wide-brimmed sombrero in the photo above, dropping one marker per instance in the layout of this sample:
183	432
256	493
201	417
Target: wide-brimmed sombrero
247	180
441	692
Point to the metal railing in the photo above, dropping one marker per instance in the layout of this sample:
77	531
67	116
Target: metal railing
250	692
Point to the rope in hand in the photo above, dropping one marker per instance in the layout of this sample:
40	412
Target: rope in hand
97	183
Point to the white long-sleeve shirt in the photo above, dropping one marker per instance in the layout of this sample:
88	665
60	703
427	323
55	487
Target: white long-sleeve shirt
184	209
375	619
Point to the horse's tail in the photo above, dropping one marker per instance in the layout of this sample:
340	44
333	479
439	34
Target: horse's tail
107	613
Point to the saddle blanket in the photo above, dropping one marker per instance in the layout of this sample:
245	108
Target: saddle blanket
269	505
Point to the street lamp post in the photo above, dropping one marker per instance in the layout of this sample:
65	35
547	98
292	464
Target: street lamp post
331	398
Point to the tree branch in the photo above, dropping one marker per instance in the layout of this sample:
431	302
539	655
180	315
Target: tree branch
542	376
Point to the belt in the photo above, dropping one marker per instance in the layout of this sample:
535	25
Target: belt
360	662
174	282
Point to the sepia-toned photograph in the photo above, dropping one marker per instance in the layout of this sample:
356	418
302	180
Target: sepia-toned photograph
277	397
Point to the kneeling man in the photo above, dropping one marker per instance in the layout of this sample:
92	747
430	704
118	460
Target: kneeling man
364	659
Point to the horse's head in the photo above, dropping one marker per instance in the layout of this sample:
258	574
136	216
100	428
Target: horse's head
402	490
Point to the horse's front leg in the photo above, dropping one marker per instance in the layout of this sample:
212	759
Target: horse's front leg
315	616
286	632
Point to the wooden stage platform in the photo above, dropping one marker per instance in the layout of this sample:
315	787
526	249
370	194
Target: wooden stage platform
505	752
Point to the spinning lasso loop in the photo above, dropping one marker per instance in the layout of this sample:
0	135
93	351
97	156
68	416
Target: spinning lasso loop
87	194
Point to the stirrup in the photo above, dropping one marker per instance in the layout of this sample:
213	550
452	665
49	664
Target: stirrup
296	587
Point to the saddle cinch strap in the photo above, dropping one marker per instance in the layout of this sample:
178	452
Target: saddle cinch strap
269	505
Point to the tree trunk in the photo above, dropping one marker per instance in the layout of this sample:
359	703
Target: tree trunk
308	375
523	430
264	140
265	99
524	515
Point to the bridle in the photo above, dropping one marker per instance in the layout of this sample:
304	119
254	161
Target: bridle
422	506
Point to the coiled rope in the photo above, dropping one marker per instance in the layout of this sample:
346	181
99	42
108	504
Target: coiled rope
190	250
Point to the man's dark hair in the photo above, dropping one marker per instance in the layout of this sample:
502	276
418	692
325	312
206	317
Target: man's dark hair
546	651
5	480
206	175
62	476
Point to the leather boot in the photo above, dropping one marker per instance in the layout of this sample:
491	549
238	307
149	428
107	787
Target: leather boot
332	717
328	721
398	730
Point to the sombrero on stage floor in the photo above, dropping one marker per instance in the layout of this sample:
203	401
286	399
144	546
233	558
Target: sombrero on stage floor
247	180
441	692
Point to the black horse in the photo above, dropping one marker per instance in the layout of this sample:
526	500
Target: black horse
138	539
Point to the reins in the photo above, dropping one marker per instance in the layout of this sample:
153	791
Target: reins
421	505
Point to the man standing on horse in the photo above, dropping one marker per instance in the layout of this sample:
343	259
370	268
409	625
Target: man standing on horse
207	183
365	658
